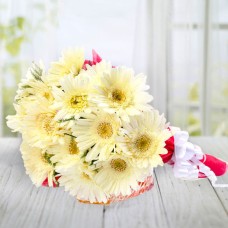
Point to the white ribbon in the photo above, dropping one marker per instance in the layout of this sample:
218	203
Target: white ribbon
186	158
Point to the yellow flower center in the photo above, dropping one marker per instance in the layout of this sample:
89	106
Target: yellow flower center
105	130
118	96
143	143
45	121
118	164
47	95
73	148
79	102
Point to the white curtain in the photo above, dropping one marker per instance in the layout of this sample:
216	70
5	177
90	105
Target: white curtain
28	31
218	69
198	66
184	47
151	48
181	45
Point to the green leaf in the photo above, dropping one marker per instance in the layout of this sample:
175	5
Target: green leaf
70	135
26	87
10	30
84	154
20	22
2	32
48	157
194	92
36	71
93	161
65	120
225	90
13	47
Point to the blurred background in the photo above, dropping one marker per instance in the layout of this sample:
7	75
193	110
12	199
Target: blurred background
182	45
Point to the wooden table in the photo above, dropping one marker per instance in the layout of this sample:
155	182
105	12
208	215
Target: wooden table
171	203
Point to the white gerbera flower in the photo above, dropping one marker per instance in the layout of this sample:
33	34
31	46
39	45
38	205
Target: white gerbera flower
39	127
37	164
78	180
123	93
34	85
144	139
118	176
71	100
96	72
70	63
69	148
97	131
15	122
33	89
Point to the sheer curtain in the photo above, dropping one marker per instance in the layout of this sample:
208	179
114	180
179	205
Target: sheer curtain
151	52
198	66
181	45
28	31
218	68
187	65
184	47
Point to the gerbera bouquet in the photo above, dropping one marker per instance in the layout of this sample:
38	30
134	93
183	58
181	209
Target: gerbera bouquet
89	126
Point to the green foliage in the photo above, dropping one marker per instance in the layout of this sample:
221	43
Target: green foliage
194	92
48	157
20	22
36	72
13	34
225	90
193	125
14	68
13	47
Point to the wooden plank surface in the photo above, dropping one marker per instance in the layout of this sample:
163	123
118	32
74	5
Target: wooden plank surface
145	210
219	148
171	203
24	205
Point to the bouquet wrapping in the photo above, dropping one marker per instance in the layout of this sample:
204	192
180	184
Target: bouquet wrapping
89	126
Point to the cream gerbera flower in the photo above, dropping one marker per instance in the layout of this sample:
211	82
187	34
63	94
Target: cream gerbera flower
71	63
122	92
39	127
72	99
96	133
37	164
96	72
15	122
35	84
69	148
77	178
144	139
118	176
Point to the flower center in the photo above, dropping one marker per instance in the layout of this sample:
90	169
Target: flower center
118	96
46	122
47	95
118	164
73	148
105	130
143	143
78	102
